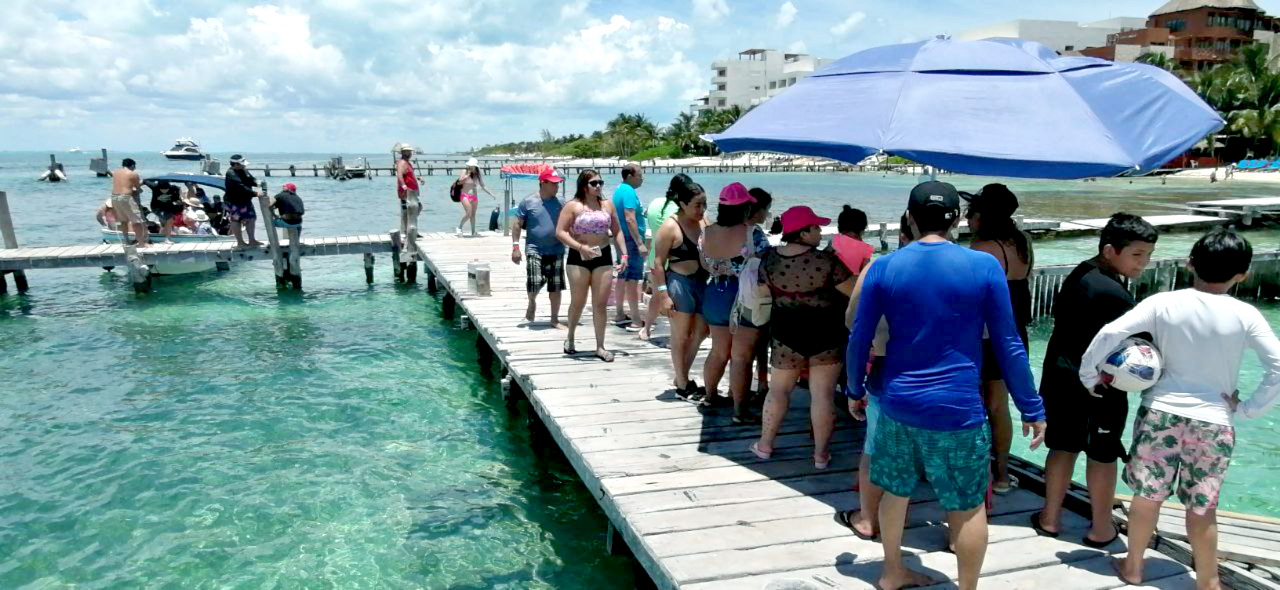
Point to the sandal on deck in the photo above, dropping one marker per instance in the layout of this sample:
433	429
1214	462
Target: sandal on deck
1090	543
716	401
606	357
747	419
821	462
755	450
691	392
1006	489
1039	528
569	349
845	517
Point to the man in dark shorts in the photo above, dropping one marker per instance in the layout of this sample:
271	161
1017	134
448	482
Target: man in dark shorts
1091	297
537	214
289	206
240	191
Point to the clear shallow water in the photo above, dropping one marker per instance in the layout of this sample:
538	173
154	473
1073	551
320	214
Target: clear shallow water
217	434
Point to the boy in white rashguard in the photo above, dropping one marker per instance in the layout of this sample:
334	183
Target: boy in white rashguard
1183	437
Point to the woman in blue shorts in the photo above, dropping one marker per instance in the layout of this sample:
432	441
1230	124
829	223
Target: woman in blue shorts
678	271
727	245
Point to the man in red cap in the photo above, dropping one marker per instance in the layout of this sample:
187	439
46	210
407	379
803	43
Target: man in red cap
537	215
289	210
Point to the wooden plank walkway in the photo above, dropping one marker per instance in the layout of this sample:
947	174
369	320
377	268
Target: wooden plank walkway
99	255
1242	538
696	508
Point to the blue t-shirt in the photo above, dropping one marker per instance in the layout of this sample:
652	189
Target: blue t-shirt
538	217
625	197
936	298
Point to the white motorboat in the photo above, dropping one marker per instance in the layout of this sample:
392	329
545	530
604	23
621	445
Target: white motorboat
184	149
210	213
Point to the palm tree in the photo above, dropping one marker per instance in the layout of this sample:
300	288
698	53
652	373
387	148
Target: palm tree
1159	60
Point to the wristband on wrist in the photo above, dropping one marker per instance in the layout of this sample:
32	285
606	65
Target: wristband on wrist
662	288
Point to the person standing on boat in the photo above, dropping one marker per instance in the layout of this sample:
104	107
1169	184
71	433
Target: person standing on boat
537	214
472	182
126	185
238	202
631	215
407	190
289	210
936	297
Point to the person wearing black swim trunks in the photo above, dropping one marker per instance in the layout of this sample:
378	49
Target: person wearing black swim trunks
990	216
585	226
1092	296
678	272
809	288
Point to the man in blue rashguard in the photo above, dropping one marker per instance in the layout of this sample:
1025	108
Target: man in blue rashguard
936	297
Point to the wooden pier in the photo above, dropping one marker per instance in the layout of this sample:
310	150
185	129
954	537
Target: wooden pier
682	489
449	168
284	255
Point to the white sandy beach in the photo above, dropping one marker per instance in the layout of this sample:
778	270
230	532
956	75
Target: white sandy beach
1236	175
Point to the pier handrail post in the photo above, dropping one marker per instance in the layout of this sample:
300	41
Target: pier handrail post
506	207
273	240
10	241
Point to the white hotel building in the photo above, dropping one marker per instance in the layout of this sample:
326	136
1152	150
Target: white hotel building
754	77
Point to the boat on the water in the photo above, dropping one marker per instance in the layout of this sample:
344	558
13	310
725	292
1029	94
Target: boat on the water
339	170
74	150
184	149
205	221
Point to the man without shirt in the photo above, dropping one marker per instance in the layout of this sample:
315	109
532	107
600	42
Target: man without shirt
126	185
936	297
538	214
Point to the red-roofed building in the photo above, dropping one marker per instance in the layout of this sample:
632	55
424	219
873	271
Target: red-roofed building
1195	34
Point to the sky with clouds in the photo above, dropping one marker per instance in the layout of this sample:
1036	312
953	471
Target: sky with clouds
360	75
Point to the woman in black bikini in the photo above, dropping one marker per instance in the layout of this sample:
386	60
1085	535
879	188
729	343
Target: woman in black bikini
678	271
585	226
990	217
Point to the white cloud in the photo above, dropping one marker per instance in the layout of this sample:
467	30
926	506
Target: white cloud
798	47
573	10
848	24
712	10
786	14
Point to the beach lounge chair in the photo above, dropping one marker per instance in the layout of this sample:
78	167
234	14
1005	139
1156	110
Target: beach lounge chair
1243	164
1273	167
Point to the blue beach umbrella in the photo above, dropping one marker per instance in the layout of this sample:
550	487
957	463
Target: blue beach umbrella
995	107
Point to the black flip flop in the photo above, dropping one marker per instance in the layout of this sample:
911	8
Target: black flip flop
1039	528
746	420
569	348
1090	543
845	517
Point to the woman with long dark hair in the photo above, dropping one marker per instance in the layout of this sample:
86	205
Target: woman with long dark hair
678	273
472	182
586	225
990	216
727	246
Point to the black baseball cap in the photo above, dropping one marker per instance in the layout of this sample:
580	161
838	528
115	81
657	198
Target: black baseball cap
934	198
995	199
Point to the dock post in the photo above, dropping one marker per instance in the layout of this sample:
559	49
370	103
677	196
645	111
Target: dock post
293	170
396	267
10	243
315	170
273	240
368	268
266	170
884	244
432	288
448	306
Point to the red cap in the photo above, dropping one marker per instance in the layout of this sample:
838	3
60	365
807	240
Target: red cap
549	175
291	187
735	194
798	218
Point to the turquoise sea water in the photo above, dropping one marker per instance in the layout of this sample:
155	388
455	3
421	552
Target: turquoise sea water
216	433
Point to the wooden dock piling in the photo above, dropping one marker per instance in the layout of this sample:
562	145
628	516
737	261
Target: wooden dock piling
368	268
273	240
10	243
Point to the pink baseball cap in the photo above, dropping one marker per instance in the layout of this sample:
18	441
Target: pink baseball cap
289	186
735	194
798	218
549	175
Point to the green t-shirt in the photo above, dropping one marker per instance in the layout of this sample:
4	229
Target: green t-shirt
658	211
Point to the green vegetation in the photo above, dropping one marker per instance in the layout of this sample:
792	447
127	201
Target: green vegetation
632	136
1246	92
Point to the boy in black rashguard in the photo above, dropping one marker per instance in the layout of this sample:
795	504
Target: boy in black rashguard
1091	296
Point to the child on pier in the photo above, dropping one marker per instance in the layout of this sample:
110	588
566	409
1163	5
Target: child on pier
1183	437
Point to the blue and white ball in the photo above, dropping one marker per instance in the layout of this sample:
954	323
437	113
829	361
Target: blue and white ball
1133	366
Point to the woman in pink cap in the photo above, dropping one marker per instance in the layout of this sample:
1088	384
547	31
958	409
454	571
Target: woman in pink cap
727	245
809	287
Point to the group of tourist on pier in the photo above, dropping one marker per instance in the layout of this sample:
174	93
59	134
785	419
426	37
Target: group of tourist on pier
927	343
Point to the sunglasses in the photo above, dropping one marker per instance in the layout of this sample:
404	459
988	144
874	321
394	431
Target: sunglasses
596	183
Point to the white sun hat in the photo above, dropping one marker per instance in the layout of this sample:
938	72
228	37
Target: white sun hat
473	162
